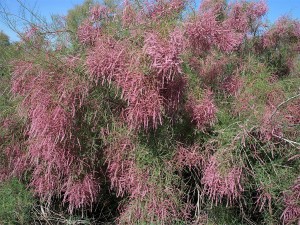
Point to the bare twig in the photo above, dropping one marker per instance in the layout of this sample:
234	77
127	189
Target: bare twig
293	143
282	103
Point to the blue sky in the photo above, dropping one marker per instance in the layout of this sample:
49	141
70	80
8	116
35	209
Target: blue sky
46	8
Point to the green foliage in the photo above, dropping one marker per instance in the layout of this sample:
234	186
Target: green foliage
224	215
16	203
8	52
4	39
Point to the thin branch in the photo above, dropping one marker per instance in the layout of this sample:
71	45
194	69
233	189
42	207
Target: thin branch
282	103
293	143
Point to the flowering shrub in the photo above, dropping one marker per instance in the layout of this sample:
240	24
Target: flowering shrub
291	201
164	114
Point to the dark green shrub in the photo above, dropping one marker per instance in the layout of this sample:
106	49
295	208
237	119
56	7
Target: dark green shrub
15	203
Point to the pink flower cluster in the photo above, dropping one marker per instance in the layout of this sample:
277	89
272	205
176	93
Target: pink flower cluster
90	29
145	111
14	160
129	15
209	69
107	60
30	34
160	9
218	186
122	170
166	66
87	33
189	157
50	102
203	112
215	6
98	12
144	102
283	29
205	32
22	71
268	128
238	18
293	113
165	60
80	192
128	179
291	214
257	9
232	84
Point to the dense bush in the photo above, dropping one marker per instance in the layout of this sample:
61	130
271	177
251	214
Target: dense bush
16	203
169	115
